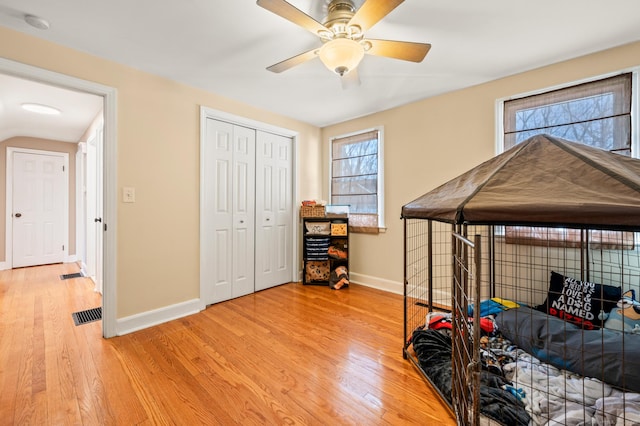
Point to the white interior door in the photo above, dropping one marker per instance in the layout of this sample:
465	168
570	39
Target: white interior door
90	213
97	222
228	192
81	205
40	194
94	209
274	209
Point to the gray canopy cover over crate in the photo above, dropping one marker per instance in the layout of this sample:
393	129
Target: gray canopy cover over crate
541	181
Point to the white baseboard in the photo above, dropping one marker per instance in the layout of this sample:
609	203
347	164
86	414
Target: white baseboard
373	282
4	266
83	268
376	282
147	319
72	258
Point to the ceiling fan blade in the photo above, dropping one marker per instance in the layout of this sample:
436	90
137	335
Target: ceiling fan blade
293	61
293	14
373	11
404	50
350	79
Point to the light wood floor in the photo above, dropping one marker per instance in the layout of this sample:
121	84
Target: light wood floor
290	355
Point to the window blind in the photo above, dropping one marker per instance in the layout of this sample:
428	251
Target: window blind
597	113
354	178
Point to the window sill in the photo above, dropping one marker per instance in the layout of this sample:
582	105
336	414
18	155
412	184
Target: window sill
367	230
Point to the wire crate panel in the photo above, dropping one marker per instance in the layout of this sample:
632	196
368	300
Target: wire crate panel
568	318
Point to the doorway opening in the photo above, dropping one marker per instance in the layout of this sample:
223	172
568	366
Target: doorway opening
105	180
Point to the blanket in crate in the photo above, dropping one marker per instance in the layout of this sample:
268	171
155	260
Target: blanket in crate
544	392
568	374
497	401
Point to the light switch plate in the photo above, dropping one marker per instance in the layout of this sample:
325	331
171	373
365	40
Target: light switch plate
128	194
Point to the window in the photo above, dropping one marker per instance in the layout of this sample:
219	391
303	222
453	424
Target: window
596	113
357	180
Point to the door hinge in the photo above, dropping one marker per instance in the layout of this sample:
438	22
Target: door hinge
63	168
63	247
105	227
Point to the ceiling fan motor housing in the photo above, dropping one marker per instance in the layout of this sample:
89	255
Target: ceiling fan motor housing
339	14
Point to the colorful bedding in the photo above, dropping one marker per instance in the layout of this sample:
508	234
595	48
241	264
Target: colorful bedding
541	370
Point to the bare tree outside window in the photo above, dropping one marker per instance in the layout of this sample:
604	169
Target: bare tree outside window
597	113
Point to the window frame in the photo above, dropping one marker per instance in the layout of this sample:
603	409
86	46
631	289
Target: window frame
380	189
635	104
635	138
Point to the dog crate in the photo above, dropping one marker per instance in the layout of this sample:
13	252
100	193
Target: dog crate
520	288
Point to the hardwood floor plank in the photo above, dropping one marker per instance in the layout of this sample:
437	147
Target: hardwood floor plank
294	354
10	352
219	359
24	410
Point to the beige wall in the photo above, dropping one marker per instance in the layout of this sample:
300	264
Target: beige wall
426	143
44	145
158	154
429	142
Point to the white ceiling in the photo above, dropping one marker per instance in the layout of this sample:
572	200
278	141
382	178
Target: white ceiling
224	46
77	110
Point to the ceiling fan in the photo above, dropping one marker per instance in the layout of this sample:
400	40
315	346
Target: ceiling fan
342	34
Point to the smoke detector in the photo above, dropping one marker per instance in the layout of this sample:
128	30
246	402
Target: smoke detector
37	22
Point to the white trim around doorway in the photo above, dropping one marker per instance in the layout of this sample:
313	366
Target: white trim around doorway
109	94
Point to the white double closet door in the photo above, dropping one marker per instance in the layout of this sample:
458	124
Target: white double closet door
247	211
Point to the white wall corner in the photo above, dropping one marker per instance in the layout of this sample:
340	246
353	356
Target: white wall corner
376	282
147	319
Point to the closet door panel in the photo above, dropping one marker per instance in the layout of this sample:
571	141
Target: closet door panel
243	187
266	229
222	221
274	210
283	211
216	232
228	193
222	263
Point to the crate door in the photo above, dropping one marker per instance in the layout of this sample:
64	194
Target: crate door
465	380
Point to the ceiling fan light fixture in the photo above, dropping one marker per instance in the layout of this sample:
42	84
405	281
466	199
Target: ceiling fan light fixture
341	55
